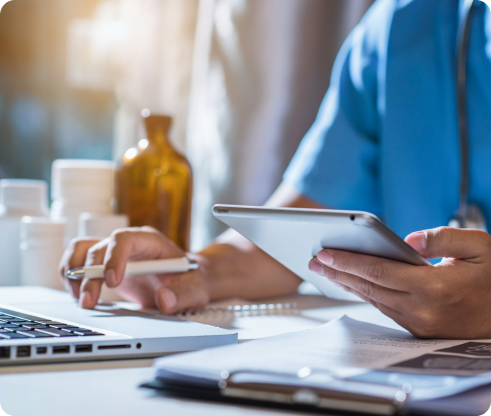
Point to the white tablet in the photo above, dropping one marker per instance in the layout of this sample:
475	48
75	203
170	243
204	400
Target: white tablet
293	236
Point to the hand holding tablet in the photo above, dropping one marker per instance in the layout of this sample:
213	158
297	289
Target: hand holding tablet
293	236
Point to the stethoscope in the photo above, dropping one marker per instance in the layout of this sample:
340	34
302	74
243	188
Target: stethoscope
468	215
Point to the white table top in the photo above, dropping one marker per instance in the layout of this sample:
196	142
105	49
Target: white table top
111	387
102	392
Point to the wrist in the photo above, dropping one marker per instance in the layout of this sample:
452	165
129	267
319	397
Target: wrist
202	271
216	271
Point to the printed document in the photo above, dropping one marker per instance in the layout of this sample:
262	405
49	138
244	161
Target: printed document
347	349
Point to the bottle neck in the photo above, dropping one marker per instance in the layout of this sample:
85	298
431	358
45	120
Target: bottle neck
157	129
158	137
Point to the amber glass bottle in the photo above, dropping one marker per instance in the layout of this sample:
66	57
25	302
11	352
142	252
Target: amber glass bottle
154	184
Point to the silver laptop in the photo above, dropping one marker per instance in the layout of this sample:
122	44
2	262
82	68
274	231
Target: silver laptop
41	325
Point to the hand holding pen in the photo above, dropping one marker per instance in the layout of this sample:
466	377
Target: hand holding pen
141	263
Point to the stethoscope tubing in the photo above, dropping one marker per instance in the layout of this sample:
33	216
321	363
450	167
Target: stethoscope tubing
463	41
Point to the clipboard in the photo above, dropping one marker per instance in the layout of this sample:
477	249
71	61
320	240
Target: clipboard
237	388
313	369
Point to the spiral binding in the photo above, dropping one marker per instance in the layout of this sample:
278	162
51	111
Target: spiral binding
232	311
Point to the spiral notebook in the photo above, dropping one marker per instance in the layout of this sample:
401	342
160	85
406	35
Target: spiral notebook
223	314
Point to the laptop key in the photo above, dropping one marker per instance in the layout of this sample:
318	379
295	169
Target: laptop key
48	322
27	333
9	326
82	331
32	326
15	320
12	335
87	333
56	332
64	326
40	334
34	334
77	329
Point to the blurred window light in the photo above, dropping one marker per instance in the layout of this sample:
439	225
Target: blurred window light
130	154
223	19
97	48
118	9
95	56
225	11
143	144
129	9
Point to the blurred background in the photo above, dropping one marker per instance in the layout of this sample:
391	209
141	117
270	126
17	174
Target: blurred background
243	80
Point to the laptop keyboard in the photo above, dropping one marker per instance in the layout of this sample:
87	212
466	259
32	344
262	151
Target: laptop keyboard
16	325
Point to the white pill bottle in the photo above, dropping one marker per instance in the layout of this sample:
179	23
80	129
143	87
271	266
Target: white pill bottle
18	198
41	249
79	186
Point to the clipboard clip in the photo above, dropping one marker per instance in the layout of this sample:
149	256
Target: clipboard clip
343	395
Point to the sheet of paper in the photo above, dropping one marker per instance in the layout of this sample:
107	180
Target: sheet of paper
349	348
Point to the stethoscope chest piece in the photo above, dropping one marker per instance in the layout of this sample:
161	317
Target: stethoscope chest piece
473	218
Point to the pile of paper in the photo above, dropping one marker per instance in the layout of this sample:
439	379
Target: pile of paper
347	350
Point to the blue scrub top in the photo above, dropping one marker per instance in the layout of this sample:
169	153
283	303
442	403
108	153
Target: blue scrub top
386	138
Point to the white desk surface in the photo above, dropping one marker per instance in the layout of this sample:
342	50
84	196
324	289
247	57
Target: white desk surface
111	387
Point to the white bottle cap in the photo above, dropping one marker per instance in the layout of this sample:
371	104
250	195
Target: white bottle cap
100	226
80	179
41	229
24	194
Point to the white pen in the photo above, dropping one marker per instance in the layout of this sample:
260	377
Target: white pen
167	266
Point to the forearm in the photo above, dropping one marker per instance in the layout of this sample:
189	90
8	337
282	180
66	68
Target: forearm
234	267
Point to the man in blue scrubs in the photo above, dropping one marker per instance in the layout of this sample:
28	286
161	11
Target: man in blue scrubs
386	138
385	141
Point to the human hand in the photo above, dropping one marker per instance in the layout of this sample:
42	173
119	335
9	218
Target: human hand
449	300
169	292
